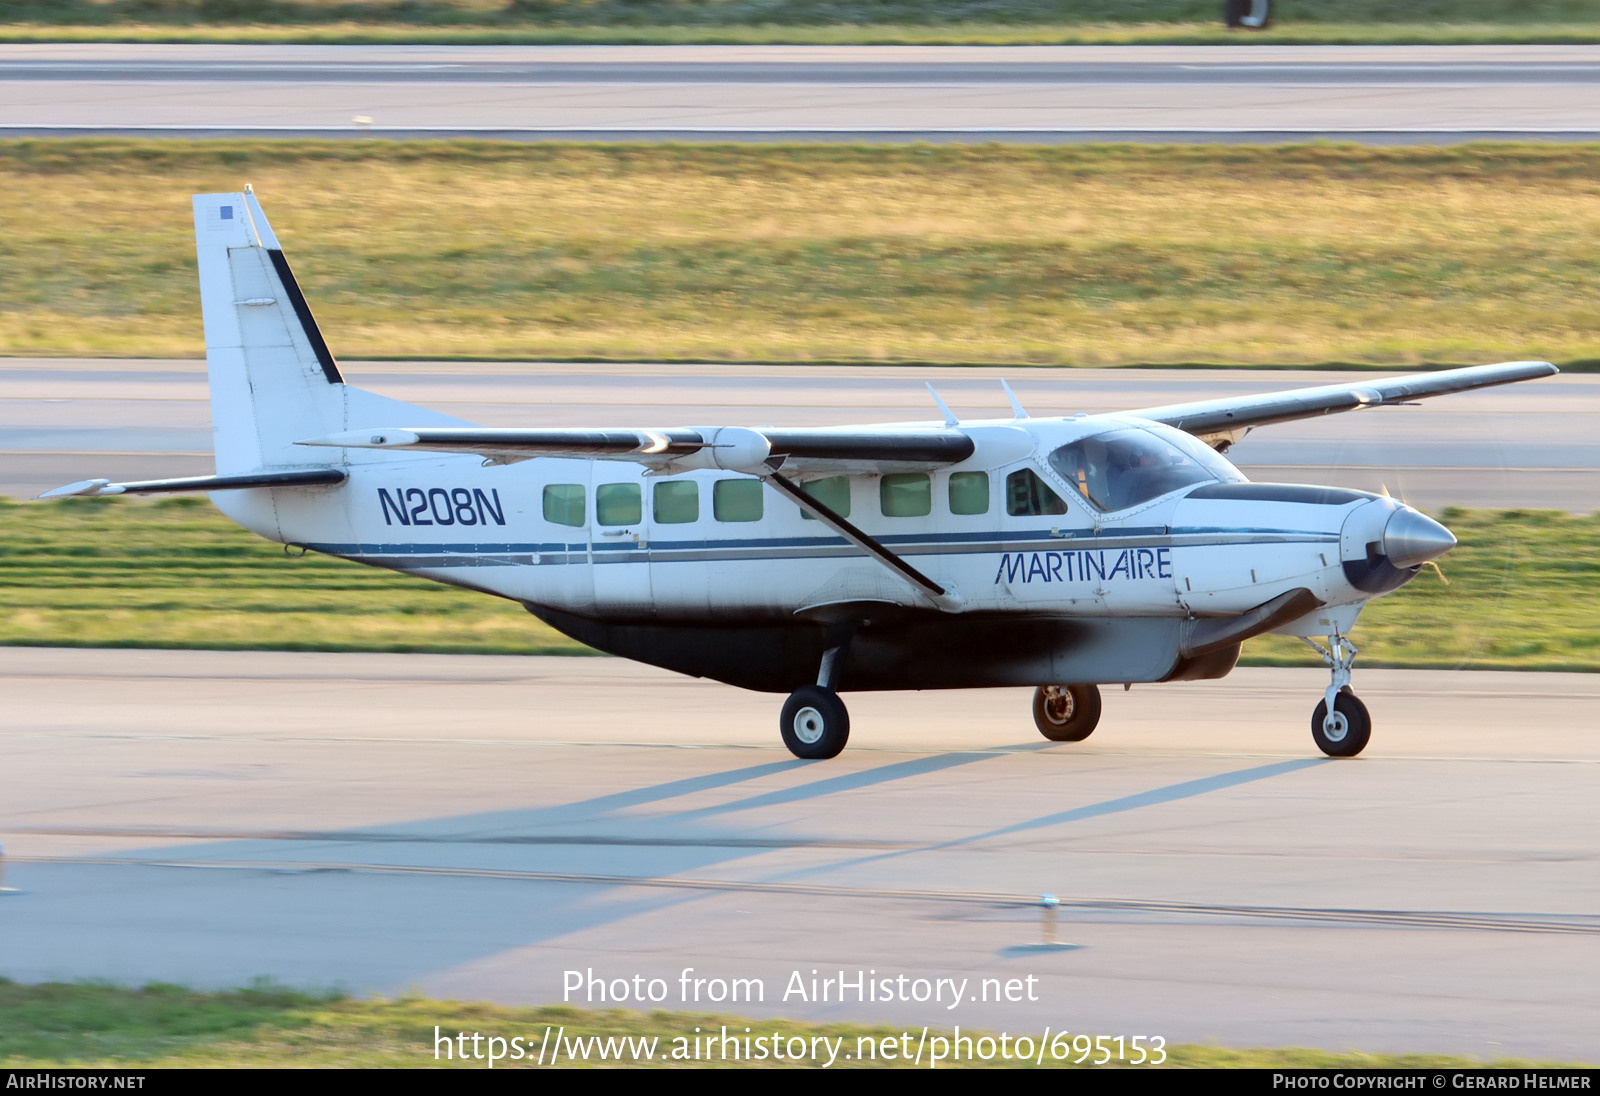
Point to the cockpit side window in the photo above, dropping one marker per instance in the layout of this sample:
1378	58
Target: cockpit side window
1123	468
1028	495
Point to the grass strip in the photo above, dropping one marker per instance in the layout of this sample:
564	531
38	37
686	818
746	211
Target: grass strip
176	573
1210	33
164	1026
1523	594
832	22
1071	255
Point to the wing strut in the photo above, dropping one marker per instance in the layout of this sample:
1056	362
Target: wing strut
861	540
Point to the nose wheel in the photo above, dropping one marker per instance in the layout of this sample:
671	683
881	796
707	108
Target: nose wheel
1345	732
1066	713
1340	725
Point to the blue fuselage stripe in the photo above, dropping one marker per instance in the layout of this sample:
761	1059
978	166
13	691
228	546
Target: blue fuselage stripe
502	554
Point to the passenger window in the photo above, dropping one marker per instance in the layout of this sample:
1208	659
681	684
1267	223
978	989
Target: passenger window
618	504
736	500
1027	495
969	492
906	495
833	492
563	503
677	501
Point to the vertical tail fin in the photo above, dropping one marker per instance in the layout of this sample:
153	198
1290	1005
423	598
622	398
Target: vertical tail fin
273	379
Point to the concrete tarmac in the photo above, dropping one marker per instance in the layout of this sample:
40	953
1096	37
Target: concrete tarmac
1522	445
898	93
475	827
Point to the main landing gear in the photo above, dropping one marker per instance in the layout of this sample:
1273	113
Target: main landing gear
814	723
1066	713
816	726
1340	726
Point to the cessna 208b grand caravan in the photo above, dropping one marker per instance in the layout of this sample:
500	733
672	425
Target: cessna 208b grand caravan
1060	553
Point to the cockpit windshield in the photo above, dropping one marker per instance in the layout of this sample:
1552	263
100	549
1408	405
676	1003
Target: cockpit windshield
1122	468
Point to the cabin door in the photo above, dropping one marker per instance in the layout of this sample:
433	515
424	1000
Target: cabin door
619	540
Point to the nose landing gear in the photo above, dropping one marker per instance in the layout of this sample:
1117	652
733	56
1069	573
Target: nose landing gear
1340	726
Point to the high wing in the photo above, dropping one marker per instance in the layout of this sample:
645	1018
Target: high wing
736	448
1222	422
901	448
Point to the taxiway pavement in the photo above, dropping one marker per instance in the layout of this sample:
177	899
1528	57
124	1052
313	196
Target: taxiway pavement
1380	94
474	827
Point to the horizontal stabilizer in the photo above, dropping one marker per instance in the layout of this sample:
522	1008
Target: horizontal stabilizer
308	477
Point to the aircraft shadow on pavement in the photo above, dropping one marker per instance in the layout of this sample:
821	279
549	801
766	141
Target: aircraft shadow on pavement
312	917
866	778
1171	793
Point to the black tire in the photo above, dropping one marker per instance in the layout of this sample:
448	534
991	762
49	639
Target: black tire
814	724
1358	726
1069	717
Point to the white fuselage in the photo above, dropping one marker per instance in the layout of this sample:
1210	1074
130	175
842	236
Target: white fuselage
603	539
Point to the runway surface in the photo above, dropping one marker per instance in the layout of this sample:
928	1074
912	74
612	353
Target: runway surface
1027	93
473	827
1523	445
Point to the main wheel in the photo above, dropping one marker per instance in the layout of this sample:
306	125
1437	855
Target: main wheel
1347	733
1066	713
814	723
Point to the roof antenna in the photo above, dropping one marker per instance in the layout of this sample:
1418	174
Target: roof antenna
949	415
1016	405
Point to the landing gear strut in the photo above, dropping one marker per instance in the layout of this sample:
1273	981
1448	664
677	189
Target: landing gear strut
1340	726
1066	713
814	723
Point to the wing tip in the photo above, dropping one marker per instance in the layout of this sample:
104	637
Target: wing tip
90	488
